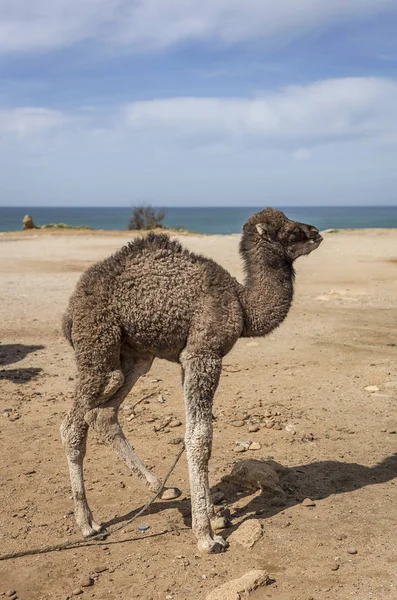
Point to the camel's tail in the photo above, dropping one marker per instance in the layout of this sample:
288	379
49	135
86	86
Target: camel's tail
67	323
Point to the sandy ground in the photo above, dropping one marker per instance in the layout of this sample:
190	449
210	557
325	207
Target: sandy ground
336	439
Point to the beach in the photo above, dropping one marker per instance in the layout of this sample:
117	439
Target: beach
326	380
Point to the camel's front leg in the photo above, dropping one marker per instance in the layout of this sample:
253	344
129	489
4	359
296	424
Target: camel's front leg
201	377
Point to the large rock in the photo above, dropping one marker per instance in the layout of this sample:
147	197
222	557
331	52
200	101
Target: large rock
240	589
28	222
257	475
247	534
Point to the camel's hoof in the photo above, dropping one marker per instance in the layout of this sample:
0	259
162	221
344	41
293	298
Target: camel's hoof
219	523
91	530
170	494
213	545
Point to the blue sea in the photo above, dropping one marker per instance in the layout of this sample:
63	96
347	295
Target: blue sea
201	220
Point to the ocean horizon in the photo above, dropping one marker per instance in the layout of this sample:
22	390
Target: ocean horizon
209	220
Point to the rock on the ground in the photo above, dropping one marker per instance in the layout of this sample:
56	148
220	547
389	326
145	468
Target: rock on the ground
257	475
253	428
27	222
237	589
247	534
308	502
254	446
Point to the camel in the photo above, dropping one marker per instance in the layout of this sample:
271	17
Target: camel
155	299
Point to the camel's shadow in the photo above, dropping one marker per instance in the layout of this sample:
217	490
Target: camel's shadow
13	353
316	480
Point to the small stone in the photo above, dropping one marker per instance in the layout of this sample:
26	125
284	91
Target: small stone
175	423
269	424
219	523
161	399
253	428
87	582
176	441
218	497
170	494
10	593
341	536
239	448
242	587
100	569
277	426
372	388
77	592
335	567
255	446
278	501
352	550
247	534
238	423
308	502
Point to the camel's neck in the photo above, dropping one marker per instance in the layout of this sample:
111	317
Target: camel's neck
267	295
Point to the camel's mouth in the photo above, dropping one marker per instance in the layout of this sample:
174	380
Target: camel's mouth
308	246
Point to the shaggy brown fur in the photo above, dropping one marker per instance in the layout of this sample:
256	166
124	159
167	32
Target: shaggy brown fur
155	299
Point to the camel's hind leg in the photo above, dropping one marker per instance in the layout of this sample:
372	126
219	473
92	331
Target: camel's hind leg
104	419
74	438
98	362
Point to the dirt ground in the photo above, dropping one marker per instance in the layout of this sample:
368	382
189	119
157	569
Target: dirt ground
335	437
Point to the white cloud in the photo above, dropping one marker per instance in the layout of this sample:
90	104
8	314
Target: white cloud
325	111
153	24
24	122
294	119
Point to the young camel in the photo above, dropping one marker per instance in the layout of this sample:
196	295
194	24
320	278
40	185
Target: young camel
155	299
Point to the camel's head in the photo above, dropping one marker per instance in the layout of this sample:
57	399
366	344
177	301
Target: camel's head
273	228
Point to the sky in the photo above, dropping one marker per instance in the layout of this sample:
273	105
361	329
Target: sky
186	103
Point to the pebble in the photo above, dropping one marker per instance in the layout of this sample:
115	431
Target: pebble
372	388
277	426
341	536
352	550
269	424
175	423
239	449
170	494
218	497
176	441
238	423
10	593
255	446
143	527
100	569
335	567
308	502
77	592
87	581
278	501
253	428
